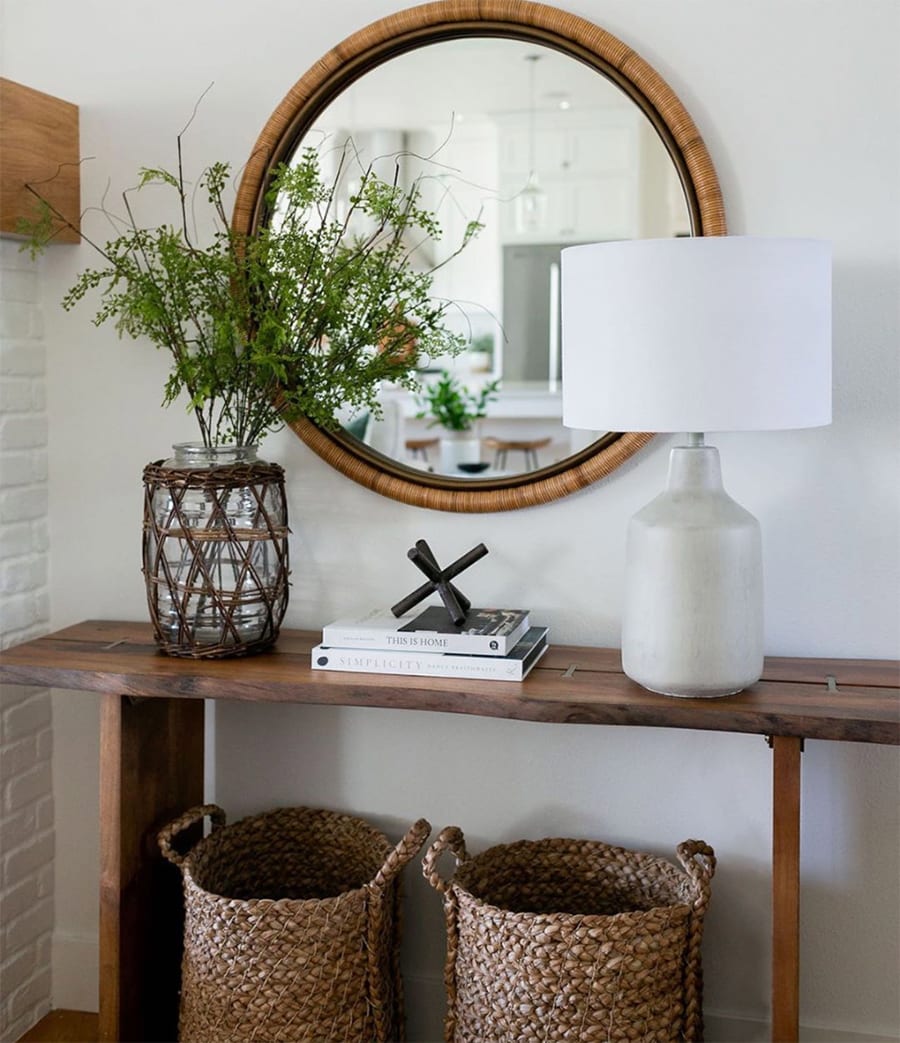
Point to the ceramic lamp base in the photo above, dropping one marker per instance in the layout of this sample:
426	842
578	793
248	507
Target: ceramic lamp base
693	617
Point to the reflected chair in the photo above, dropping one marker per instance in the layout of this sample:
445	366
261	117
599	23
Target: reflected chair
527	446
418	447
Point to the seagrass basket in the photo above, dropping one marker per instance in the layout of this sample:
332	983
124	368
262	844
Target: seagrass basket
291	928
572	940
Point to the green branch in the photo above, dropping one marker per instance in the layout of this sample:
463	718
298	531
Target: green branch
301	318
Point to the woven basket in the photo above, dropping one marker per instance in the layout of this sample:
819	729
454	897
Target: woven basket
291	928
572	940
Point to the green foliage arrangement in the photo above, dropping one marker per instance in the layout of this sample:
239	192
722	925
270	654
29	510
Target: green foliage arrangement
452	405
301	318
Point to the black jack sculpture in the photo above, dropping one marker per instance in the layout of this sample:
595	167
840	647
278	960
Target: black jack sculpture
456	603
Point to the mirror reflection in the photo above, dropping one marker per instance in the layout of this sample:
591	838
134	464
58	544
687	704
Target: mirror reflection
544	152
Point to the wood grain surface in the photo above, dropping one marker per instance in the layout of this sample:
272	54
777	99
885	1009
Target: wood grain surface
39	142
570	685
151	771
64	1026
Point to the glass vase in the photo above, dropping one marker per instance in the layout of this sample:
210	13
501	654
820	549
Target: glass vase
215	551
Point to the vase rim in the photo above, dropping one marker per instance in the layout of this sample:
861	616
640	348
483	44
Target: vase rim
201	447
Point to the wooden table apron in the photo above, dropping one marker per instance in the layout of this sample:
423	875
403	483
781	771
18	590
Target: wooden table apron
151	765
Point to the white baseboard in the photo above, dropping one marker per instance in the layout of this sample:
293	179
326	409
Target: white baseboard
76	971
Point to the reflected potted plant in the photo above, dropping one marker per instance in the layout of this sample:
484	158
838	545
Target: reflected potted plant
457	410
301	318
480	353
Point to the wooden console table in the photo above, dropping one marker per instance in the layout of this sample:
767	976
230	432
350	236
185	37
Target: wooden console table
151	765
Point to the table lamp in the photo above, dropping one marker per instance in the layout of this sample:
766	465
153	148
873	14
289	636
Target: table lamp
729	333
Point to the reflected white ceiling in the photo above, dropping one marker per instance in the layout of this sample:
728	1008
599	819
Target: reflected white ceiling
473	79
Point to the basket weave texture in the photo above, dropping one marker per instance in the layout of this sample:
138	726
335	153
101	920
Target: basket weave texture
291	928
572	940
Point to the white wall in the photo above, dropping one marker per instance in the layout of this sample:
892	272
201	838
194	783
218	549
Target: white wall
799	105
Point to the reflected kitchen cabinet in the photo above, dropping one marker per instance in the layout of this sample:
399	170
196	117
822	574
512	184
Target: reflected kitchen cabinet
603	175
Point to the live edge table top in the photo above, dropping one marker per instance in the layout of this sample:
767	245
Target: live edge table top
839	699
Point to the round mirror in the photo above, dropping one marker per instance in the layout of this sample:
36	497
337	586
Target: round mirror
548	131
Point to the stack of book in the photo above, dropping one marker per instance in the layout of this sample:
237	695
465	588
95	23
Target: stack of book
491	644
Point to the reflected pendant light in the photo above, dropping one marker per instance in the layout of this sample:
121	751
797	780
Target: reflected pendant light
531	202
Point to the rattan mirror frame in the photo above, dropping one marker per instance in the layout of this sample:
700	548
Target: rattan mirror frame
445	20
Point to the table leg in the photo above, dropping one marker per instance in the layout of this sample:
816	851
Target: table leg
151	770
786	888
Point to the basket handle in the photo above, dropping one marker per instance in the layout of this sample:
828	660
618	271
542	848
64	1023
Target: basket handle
404	852
189	818
450	839
699	862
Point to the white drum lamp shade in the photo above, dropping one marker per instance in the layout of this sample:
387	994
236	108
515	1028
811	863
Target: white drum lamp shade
695	335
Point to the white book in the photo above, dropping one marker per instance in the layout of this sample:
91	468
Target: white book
485	631
512	667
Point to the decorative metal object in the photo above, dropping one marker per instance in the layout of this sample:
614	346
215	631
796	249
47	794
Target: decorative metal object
456	603
215	551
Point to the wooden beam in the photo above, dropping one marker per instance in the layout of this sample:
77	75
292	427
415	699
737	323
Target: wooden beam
571	685
786	889
151	771
39	144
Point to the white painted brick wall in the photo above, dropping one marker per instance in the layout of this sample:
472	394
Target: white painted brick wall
26	738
